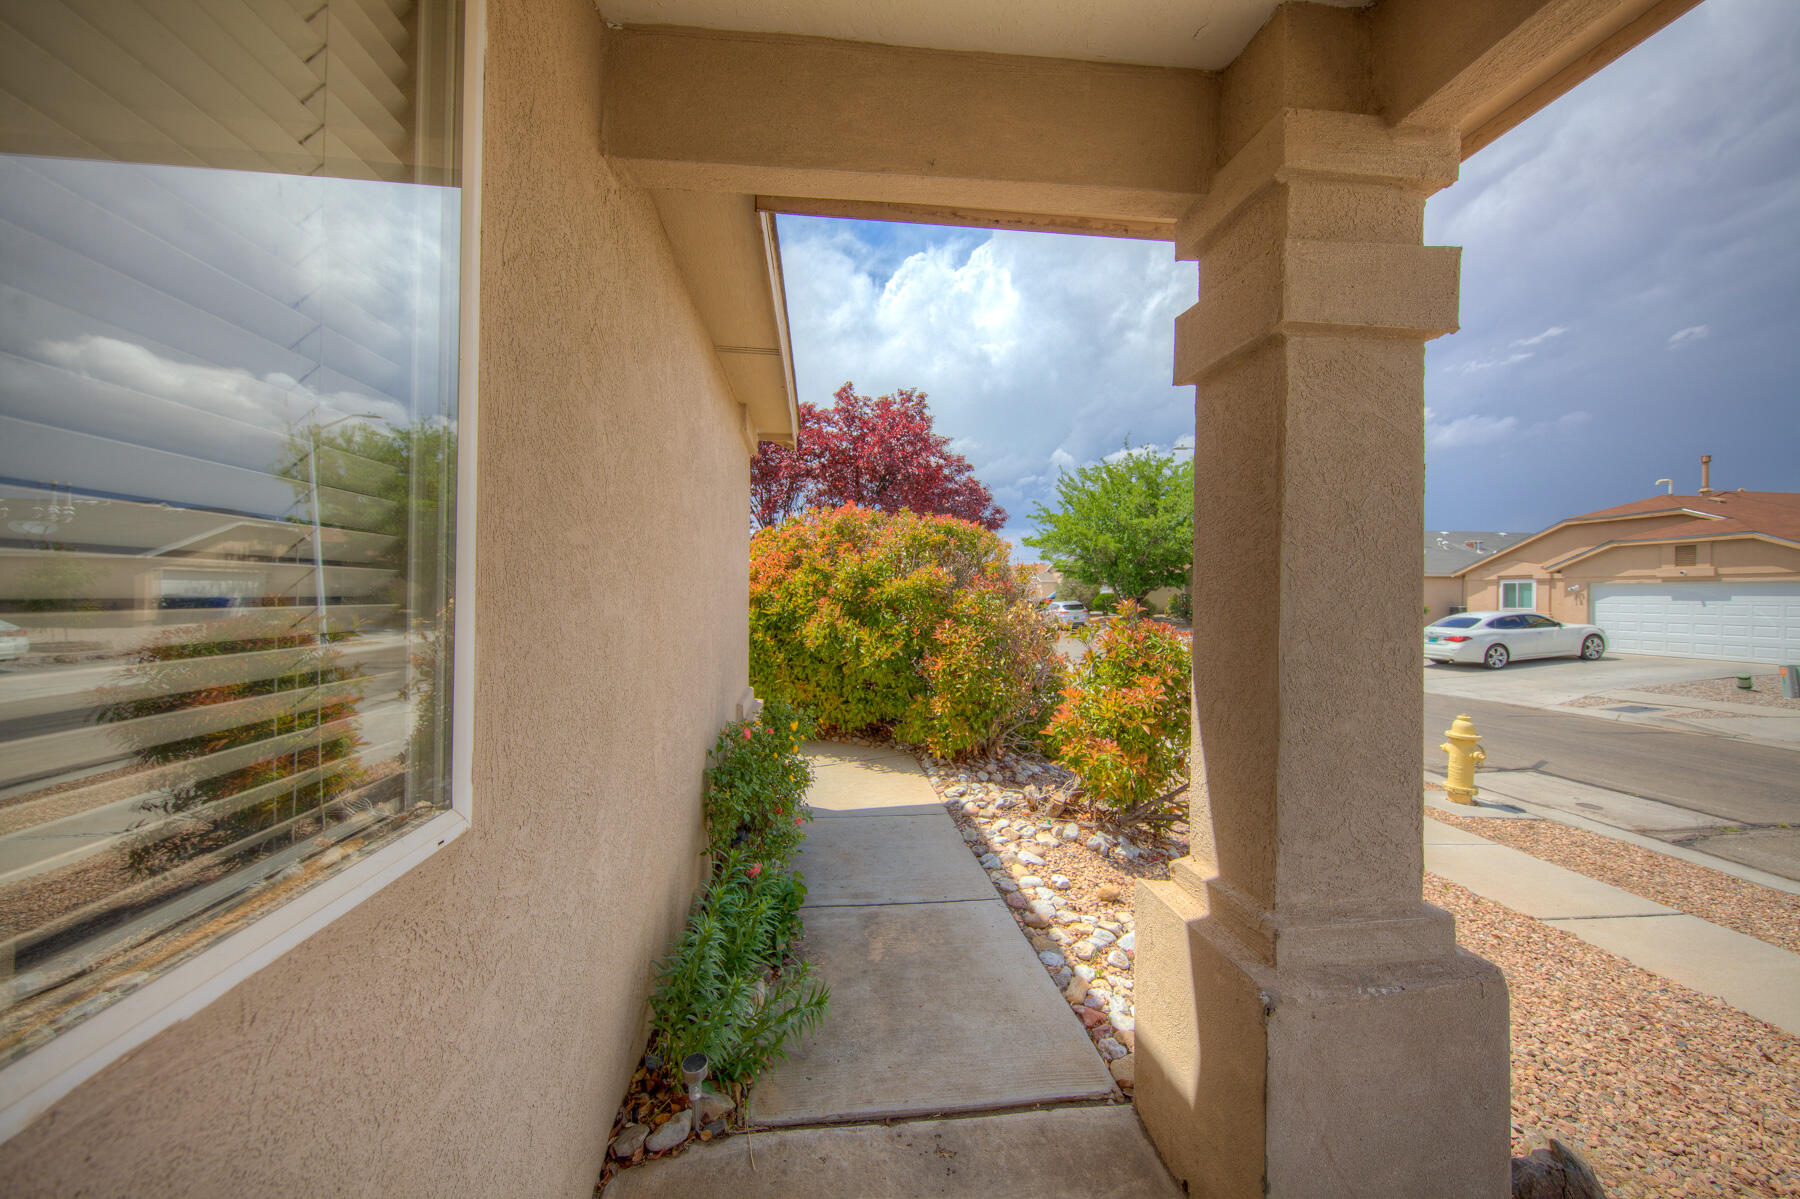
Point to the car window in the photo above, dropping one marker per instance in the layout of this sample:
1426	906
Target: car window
1541	622
1458	622
1507	622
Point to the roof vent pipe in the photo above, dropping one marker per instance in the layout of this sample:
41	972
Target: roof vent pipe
1706	487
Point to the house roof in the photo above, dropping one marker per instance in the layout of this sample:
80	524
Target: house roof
1776	513
1450	550
1763	514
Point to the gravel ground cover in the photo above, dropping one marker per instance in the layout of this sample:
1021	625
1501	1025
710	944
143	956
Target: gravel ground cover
1724	899
1669	1092
1067	881
1765	692
1611	701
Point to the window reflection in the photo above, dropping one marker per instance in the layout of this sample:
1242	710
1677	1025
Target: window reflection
227	464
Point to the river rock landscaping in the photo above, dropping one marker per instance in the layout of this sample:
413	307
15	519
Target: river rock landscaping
1067	880
1668	1092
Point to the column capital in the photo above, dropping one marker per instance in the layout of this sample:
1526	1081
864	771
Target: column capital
1299	144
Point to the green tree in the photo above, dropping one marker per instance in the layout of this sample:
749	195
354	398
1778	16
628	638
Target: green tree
1126	523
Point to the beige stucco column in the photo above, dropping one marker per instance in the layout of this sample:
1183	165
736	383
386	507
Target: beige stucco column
1306	1024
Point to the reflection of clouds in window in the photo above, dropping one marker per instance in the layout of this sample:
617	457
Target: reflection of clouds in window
209	315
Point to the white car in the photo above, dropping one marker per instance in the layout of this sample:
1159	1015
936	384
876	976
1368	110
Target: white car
1496	638
1069	612
14	641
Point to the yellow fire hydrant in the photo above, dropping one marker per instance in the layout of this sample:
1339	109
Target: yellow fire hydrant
1464	748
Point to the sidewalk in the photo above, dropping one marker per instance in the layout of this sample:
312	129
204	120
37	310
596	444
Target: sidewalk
1751	975
1766	856
939	1008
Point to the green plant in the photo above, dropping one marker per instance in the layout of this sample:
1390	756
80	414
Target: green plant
1126	522
992	676
1181	606
756	779
874	619
729	990
1123	724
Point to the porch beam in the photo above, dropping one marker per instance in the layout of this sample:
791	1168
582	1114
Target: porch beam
1483	68
819	119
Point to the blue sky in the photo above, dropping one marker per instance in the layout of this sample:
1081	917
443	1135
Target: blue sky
1630	300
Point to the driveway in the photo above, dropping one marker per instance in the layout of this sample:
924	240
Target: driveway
1546	682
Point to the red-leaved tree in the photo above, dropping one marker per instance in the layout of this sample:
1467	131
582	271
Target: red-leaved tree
878	453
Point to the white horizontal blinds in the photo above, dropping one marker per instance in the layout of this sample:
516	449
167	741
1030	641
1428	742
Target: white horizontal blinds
305	87
227	453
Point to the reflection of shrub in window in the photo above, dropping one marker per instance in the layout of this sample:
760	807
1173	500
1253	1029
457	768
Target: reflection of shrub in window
285	796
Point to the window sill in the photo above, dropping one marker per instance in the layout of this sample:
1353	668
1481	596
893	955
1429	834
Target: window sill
30	1085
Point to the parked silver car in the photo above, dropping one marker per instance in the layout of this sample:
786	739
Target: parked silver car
1496	638
1069	612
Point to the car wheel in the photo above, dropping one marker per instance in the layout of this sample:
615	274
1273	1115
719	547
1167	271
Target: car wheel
1593	647
1496	657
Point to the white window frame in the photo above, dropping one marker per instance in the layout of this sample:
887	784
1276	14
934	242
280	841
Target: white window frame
1529	607
33	1083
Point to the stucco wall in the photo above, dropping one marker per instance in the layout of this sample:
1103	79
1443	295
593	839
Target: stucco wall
1441	595
1747	560
1528	559
470	1029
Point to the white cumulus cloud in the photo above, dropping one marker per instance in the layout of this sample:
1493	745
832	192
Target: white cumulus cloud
1546	335
1474	429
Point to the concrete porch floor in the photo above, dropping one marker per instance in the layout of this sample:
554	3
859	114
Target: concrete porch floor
939	1008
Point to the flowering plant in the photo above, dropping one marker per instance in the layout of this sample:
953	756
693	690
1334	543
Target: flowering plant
756	780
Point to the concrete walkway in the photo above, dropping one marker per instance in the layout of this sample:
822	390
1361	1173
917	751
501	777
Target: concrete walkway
1751	975
939	1008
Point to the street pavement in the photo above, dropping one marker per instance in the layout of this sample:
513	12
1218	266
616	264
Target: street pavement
1692	785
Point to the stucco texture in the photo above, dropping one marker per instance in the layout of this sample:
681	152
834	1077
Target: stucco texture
470	1029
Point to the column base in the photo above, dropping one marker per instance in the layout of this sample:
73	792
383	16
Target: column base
1381	1080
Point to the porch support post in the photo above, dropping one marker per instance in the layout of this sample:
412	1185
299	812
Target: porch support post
1306	1024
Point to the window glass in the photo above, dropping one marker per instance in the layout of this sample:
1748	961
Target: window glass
1457	622
1541	622
1518	594
228	429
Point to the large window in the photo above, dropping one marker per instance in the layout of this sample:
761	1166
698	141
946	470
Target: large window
228	448
1518	593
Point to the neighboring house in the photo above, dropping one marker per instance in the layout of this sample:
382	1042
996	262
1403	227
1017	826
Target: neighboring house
1711	575
1044	581
234	226
1448	552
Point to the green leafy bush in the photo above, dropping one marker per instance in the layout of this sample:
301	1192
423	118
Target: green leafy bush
992	676
1123	724
756	781
728	990
872	619
731	989
1181	606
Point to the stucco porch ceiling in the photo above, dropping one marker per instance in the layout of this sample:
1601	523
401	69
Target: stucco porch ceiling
1200	34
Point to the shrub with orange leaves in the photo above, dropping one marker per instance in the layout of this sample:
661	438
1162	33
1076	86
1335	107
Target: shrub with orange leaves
1123	725
893	620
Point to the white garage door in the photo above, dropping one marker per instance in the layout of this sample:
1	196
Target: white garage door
1741	622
